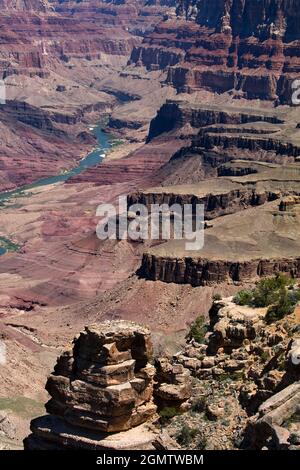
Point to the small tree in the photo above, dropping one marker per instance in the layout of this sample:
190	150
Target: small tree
285	305
198	330
244	297
199	405
217	297
266	292
167	413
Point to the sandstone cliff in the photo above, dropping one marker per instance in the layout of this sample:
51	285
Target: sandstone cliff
175	114
226	257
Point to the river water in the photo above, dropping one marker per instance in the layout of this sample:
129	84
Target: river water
105	142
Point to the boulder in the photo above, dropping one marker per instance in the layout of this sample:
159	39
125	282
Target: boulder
7	429
173	383
270	428
294	353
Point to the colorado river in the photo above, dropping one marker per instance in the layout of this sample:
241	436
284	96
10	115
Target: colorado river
105	142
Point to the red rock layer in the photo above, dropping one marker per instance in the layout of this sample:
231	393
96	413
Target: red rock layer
31	44
34	32
243	45
65	262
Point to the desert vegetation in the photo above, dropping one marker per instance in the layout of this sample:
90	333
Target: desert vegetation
280	294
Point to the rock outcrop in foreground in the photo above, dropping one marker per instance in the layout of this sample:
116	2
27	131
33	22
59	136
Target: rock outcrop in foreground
277	422
247	388
103	385
245	391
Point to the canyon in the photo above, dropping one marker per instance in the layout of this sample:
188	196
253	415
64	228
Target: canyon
194	99
57	70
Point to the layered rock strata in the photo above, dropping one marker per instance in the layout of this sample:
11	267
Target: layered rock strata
58	32
54	59
239	158
104	384
246	47
227	131
174	114
226	258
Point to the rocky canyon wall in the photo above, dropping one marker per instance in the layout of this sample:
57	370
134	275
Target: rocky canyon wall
249	47
201	271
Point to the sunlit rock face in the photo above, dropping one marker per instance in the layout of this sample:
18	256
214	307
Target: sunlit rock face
103	384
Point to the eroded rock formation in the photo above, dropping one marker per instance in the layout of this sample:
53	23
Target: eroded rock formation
103	384
236	386
173	384
276	425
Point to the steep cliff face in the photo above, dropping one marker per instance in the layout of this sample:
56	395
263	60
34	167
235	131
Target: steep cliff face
245	17
242	45
215	205
34	41
234	249
223	133
202	272
174	114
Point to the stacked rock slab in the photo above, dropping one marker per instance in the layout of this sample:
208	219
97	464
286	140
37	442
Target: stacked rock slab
277	423
103	385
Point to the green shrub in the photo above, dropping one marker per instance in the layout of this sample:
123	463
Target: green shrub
244	297
167	413
237	375
186	435
265	356
198	330
285	305
217	297
201	442
267	292
225	422
199	405
294	296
